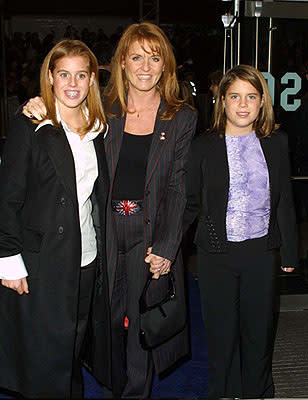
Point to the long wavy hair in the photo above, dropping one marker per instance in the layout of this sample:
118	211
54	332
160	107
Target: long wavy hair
264	125
168	86
93	101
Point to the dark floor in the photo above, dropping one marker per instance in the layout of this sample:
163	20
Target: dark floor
290	361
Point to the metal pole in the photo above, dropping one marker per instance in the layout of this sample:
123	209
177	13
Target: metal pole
228	21
236	8
257	43
237	15
238	42
225	51
231	48
269	66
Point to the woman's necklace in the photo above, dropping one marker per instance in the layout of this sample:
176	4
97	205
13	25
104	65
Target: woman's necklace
153	107
149	109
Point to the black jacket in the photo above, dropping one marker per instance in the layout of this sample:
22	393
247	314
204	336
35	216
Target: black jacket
164	204
208	188
39	219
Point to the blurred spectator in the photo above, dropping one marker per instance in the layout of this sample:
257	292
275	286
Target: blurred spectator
22	89
48	43
205	102
104	54
214	80
187	92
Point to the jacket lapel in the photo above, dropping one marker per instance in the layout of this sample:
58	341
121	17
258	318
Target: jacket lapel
56	145
268	154
114	138
103	177
218	156
113	142
159	142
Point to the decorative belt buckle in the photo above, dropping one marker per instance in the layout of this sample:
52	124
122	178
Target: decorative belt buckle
127	207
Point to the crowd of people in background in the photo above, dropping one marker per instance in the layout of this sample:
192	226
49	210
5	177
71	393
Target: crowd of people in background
25	52
199	67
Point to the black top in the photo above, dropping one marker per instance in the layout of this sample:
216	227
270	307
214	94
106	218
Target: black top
131	169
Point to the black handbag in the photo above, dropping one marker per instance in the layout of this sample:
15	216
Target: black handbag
161	321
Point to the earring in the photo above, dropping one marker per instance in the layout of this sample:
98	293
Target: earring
163	69
123	67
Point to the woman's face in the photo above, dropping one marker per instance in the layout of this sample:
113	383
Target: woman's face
242	104
71	81
143	68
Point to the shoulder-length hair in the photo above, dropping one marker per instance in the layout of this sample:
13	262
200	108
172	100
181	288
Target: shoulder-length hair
168	87
264	125
93	101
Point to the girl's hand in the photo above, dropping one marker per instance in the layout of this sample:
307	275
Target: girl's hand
287	269
19	285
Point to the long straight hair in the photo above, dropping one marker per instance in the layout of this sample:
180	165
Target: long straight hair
93	101
264	125
167	86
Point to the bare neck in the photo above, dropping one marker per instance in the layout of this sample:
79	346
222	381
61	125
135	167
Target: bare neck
73	117
138	100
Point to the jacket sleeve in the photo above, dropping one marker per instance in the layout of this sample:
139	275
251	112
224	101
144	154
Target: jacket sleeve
285	211
168	235
13	186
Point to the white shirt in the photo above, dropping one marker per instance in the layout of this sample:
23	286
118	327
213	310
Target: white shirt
86	169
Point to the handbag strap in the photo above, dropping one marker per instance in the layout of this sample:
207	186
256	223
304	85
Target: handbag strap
143	306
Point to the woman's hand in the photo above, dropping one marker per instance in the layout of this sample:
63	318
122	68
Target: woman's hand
19	285
34	108
287	269
158	265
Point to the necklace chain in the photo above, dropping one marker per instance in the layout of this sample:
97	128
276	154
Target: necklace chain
145	109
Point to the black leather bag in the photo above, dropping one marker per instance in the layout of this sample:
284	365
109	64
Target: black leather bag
161	321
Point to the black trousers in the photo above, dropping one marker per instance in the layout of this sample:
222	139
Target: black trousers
237	292
87	278
133	367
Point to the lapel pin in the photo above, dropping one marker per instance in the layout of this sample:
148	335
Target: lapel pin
162	136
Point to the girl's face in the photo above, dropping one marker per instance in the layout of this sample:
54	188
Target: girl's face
71	81
143	68
242	105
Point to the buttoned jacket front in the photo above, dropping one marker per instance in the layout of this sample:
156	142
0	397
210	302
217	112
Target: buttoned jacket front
208	191
40	219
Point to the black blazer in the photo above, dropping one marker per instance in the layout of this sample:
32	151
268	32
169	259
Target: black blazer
208	188
164	204
39	218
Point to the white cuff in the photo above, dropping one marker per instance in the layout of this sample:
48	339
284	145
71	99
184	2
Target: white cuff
12	267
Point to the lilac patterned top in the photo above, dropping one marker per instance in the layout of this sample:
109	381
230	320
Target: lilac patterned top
248	208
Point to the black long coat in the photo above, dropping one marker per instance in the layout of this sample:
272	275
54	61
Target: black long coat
164	203
39	218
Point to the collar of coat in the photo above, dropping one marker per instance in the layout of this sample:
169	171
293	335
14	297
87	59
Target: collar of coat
92	134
